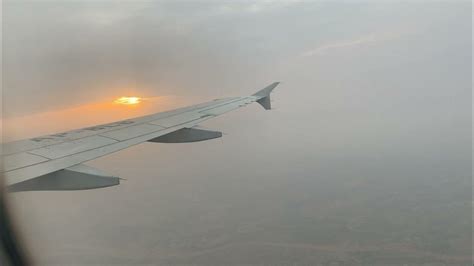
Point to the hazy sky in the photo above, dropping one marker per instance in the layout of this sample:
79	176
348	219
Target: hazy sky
373	93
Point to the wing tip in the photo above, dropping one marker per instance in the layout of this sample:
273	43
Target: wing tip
264	95
265	92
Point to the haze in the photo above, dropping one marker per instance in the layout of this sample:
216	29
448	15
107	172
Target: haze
365	159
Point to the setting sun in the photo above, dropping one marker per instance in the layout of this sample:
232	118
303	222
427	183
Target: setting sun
128	100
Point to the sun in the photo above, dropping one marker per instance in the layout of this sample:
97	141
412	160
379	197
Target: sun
128	100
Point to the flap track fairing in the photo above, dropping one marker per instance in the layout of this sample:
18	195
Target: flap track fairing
187	135
78	177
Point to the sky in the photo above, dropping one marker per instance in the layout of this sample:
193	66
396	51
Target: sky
371	126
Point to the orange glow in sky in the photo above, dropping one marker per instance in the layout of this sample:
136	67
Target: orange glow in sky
50	122
128	100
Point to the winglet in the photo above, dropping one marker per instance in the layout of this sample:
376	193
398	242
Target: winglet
264	95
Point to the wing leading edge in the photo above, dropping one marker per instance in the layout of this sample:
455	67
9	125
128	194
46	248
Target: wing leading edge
54	162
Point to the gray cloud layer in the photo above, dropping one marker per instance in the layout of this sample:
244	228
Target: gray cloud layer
375	104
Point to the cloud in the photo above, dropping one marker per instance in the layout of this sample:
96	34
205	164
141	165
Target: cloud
257	6
106	14
361	41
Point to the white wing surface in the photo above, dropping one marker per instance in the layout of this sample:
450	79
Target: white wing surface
54	162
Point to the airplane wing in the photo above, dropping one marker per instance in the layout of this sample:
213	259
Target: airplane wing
54	162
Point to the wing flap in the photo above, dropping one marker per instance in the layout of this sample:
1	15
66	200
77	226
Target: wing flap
76	146
20	160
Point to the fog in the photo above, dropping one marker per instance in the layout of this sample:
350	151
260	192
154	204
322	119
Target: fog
365	159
